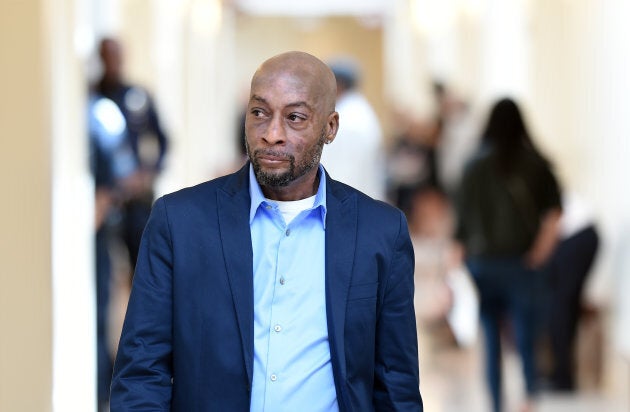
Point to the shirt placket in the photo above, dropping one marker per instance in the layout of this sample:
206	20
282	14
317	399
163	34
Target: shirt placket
276	373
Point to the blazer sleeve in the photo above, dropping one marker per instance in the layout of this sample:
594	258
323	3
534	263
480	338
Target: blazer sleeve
396	384
143	368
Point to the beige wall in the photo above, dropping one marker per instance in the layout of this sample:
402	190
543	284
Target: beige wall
46	279
25	211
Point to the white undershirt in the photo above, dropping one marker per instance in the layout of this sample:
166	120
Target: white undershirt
290	209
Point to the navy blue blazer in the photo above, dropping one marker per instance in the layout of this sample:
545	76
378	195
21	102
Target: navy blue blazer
187	340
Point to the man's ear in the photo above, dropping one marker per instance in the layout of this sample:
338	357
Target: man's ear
332	126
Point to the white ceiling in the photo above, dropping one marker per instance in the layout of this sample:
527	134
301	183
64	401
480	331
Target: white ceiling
314	7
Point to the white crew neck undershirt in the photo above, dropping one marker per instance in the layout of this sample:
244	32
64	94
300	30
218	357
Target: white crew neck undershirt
290	209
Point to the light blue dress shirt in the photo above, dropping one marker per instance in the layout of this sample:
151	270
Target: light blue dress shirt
292	368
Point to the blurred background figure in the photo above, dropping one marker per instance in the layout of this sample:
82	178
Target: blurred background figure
567	273
429	155
508	208
111	163
358	157
430	229
127	149
446	306
452	139
145	137
411	163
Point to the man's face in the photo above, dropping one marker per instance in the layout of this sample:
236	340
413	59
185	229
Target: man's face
286	128
111	57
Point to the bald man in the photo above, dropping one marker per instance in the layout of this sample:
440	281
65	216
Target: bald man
275	288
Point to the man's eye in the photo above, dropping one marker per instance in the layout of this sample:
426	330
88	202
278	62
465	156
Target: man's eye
257	112
295	117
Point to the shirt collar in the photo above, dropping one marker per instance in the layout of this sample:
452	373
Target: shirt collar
257	197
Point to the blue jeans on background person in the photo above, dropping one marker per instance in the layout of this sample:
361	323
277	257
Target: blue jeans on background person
510	298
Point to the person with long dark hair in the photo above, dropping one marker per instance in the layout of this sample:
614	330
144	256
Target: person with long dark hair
508	205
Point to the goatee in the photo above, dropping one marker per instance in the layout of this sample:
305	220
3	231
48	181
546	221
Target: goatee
296	169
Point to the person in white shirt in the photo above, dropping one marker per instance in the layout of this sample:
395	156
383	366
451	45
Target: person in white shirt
357	157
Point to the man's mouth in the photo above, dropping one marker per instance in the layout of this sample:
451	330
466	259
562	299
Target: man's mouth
272	158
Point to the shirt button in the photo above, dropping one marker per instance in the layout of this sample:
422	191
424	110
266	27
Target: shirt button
288	232
268	207
273	378
282	281
277	328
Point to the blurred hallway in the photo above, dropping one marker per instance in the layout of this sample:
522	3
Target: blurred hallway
568	61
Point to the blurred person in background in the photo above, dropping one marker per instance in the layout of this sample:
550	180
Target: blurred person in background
145	137
357	157
428	155
446	306
508	208
429	226
567	272
411	164
111	163
275	287
127	148
452	140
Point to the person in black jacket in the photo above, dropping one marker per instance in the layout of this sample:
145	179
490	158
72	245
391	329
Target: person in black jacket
145	137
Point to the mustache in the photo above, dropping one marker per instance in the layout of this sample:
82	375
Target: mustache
274	153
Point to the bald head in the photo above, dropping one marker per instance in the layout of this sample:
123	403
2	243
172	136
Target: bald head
304	70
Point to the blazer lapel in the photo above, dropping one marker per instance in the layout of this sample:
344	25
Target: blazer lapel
233	210
341	230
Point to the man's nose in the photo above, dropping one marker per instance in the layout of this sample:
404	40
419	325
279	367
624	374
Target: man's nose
275	132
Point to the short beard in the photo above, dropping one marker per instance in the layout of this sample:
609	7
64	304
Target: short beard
296	170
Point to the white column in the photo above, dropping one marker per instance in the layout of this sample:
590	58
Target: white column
406	72
210	100
73	277
609	148
505	58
